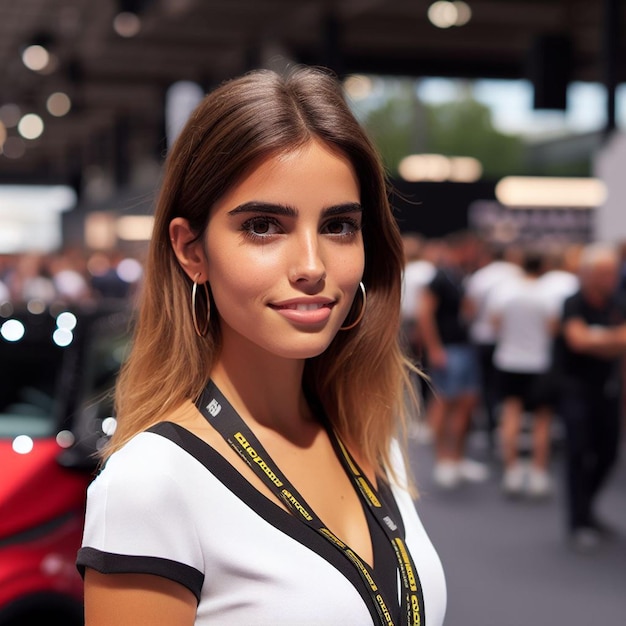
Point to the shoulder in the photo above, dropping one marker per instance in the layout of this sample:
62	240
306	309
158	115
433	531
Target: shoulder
147	469
573	304
141	452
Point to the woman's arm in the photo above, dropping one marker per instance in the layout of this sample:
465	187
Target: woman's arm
132	599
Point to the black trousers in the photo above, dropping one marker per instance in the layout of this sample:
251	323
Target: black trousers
592	422
489	389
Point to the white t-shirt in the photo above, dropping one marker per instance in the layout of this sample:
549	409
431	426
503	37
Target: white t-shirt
557	286
524	341
416	275
479	288
168	504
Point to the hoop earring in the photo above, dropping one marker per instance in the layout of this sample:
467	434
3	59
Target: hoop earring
361	312
201	332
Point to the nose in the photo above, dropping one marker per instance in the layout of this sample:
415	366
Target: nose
308	265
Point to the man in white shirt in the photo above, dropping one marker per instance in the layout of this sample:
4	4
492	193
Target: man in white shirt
526	323
482	285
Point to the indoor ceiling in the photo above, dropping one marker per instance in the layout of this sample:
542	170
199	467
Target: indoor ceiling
117	84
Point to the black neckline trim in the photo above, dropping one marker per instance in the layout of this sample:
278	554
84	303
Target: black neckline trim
263	506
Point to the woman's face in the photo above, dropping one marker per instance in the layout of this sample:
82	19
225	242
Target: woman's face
284	253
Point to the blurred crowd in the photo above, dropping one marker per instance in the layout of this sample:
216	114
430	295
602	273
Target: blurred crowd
520	343
69	276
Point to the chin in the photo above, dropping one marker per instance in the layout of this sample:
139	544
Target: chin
301	349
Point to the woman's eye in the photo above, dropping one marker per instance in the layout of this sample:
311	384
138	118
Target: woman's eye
342	227
260	227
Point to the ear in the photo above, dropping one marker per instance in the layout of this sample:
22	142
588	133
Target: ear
188	249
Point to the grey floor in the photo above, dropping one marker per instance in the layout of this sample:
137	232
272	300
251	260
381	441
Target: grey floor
507	562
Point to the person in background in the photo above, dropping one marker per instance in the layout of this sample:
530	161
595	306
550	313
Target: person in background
525	323
560	277
589	355
502	265
418	272
69	276
31	280
452	364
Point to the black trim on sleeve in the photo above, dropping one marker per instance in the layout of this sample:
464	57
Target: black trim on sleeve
260	504
111	563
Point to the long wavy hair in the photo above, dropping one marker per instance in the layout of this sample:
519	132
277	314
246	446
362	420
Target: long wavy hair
361	380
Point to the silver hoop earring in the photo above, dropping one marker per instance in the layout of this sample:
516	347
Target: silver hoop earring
361	312
201	332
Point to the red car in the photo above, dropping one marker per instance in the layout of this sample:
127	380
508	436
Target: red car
56	372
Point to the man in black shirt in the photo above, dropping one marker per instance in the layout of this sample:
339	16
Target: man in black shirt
589	357
451	363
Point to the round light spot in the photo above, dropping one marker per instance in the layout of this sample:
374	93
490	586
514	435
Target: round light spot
58	104
358	87
129	270
109	424
464	13
13	148
23	444
35	58
12	330
62	337
65	439
443	14
36	306
10	114
66	320
30	126
126	24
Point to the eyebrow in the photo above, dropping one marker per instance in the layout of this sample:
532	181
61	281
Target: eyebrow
270	208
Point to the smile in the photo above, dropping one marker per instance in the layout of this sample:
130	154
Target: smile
305	313
304	307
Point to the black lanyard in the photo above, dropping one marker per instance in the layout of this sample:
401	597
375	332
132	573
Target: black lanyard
223	417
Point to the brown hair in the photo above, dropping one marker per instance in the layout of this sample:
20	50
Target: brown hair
362	377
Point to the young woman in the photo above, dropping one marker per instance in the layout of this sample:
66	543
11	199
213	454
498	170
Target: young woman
254	476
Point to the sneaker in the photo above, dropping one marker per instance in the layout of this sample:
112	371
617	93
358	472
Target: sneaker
514	480
420	431
447	474
585	539
539	483
604	529
473	471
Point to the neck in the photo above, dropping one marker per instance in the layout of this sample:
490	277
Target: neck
263	388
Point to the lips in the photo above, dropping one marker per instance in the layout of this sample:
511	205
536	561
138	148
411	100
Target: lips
305	312
301	304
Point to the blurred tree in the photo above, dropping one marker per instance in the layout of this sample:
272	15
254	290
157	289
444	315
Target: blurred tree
402	125
397	126
464	128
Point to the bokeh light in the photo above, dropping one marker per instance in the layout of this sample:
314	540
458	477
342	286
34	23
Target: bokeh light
126	24
12	330
62	337
58	104
35	58
66	320
23	444
30	126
